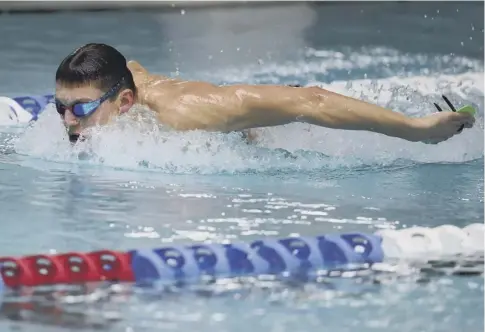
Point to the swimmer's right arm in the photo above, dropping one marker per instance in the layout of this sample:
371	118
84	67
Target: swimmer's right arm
274	105
327	109
239	107
201	105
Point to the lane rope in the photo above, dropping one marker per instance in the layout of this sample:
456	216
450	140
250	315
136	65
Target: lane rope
189	263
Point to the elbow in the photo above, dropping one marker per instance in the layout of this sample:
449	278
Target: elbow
310	105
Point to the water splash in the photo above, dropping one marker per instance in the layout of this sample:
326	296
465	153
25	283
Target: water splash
138	142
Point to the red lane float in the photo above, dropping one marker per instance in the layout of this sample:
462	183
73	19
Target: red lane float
67	268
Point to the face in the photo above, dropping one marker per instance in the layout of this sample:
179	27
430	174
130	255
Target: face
107	110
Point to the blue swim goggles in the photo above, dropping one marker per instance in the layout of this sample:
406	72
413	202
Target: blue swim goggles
84	109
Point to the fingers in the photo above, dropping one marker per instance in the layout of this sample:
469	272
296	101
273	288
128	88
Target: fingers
470	123
448	125
458	126
463	119
458	116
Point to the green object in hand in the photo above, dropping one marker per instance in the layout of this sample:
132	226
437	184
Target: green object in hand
467	109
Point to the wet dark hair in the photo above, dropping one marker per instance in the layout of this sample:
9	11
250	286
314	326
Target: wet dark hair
95	64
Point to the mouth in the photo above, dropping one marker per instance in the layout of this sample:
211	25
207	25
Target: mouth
74	138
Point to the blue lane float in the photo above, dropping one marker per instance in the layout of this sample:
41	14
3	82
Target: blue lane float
269	256
34	104
22	109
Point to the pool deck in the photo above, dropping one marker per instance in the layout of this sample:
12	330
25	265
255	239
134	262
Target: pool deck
93	5
410	27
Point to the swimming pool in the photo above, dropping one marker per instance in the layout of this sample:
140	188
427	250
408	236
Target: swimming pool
163	187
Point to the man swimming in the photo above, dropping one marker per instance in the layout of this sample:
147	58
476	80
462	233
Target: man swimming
95	83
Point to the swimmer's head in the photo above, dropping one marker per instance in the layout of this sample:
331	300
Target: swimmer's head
93	85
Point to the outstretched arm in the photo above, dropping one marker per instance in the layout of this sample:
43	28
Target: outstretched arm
324	108
232	108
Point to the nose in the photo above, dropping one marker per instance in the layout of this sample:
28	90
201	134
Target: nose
70	119
73	126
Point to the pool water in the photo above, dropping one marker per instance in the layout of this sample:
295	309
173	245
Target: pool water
137	185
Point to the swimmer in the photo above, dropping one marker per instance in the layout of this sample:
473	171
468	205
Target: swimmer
95	84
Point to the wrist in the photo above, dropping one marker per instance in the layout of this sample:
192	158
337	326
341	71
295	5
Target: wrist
413	129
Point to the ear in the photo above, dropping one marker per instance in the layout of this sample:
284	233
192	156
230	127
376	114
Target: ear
126	99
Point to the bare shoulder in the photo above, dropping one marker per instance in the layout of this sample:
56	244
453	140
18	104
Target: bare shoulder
168	90
170	93
187	105
174	95
136	68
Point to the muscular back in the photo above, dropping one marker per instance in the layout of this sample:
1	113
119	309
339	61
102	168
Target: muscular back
183	105
189	105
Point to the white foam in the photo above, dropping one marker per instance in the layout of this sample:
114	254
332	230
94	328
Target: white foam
383	91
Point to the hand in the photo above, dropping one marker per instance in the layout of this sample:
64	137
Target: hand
439	127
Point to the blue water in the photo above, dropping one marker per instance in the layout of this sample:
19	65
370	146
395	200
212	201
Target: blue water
142	186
